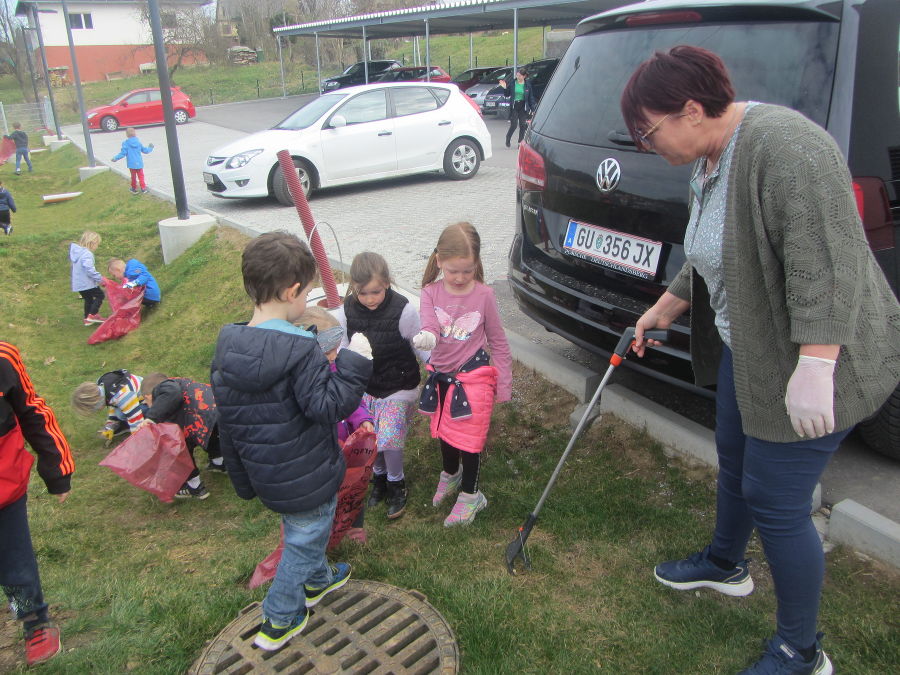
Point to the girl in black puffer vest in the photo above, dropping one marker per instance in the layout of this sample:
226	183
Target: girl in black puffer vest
389	321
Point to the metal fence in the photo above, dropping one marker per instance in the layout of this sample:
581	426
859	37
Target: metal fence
32	116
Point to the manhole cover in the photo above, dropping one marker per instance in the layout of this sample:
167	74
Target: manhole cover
366	627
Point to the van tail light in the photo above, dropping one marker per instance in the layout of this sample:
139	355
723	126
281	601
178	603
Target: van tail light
875	211
472	103
530	171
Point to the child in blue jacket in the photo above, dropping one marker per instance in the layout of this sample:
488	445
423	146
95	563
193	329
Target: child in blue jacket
7	205
135	273
131	150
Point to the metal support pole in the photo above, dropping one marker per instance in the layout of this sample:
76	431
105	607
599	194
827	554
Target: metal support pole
515	40
318	67
543	42
471	52
365	60
37	99
427	51
37	27
88	146
281	63
165	90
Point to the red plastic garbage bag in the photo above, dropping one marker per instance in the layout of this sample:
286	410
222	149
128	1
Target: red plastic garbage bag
360	450
7	150
126	312
155	458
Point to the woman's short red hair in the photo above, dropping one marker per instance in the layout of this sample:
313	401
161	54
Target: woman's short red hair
664	83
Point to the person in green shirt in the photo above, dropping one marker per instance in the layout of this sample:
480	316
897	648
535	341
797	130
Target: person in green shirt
791	317
521	103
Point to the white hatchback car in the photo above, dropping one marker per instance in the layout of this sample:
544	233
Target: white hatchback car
357	134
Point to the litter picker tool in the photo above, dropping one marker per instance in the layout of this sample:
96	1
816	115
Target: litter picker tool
516	548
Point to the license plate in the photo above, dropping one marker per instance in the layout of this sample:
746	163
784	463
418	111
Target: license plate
209	178
622	252
490	104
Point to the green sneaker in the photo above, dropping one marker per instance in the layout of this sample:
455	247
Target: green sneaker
271	636
341	575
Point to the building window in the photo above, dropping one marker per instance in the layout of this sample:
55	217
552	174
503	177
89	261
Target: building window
168	20
83	21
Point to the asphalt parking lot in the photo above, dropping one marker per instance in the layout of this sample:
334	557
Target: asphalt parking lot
402	218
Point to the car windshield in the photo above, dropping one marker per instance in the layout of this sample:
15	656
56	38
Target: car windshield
308	114
789	63
495	76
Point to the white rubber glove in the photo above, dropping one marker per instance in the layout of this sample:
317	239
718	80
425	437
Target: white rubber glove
359	343
129	284
810	397
424	341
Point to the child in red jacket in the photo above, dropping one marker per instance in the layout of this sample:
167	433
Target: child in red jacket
26	416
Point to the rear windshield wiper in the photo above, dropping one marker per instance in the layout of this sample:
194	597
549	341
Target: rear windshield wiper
620	137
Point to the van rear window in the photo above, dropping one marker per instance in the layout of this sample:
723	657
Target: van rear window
788	63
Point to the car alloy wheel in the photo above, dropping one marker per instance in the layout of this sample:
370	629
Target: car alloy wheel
280	187
181	116
109	123
461	160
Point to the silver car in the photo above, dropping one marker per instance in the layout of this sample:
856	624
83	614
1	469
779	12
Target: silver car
478	92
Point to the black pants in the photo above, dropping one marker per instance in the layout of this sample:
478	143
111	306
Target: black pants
517	116
93	298
18	566
452	457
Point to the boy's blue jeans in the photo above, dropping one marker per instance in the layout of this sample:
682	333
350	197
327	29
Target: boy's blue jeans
769	486
20	153
303	562
18	566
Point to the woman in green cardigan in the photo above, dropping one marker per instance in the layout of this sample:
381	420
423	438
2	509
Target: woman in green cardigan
785	293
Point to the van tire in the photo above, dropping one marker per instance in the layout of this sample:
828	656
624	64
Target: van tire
462	159
279	184
881	432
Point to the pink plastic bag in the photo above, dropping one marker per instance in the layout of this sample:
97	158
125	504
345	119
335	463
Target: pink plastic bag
155	458
126	312
7	149
360	450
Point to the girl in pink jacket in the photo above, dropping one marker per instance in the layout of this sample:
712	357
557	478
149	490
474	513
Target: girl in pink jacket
460	320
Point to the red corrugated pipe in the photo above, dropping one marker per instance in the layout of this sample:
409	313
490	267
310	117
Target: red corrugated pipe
289	171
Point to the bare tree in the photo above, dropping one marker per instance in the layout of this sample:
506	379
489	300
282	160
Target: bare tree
12	50
189	34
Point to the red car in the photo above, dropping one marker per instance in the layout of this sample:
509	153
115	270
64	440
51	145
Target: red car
415	74
141	106
471	77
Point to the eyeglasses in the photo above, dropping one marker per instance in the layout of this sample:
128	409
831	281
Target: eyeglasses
644	138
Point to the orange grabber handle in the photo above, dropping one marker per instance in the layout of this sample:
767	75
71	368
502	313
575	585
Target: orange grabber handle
627	340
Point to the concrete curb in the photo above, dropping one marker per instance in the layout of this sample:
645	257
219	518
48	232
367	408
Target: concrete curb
865	530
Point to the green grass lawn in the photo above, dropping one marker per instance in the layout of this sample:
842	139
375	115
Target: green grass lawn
225	84
139	586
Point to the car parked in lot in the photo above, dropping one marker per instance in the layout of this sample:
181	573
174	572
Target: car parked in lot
539	73
579	173
471	77
356	74
357	134
488	84
138	107
415	74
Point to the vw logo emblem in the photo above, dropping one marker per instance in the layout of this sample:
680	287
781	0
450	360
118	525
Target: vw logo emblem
608	174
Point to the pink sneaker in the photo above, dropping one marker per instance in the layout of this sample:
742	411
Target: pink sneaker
357	534
446	483
467	505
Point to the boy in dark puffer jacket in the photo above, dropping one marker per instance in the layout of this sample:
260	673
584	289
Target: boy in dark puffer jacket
279	404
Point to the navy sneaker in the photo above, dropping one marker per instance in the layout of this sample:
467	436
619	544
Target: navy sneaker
698	571
220	468
271	636
782	659
341	575
187	492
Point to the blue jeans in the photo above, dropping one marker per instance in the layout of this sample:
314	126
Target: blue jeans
769	486
20	153
18	566
303	561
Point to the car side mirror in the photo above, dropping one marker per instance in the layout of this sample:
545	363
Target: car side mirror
338	121
124	104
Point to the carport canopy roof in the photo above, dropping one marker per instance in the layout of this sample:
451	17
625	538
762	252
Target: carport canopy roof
464	16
